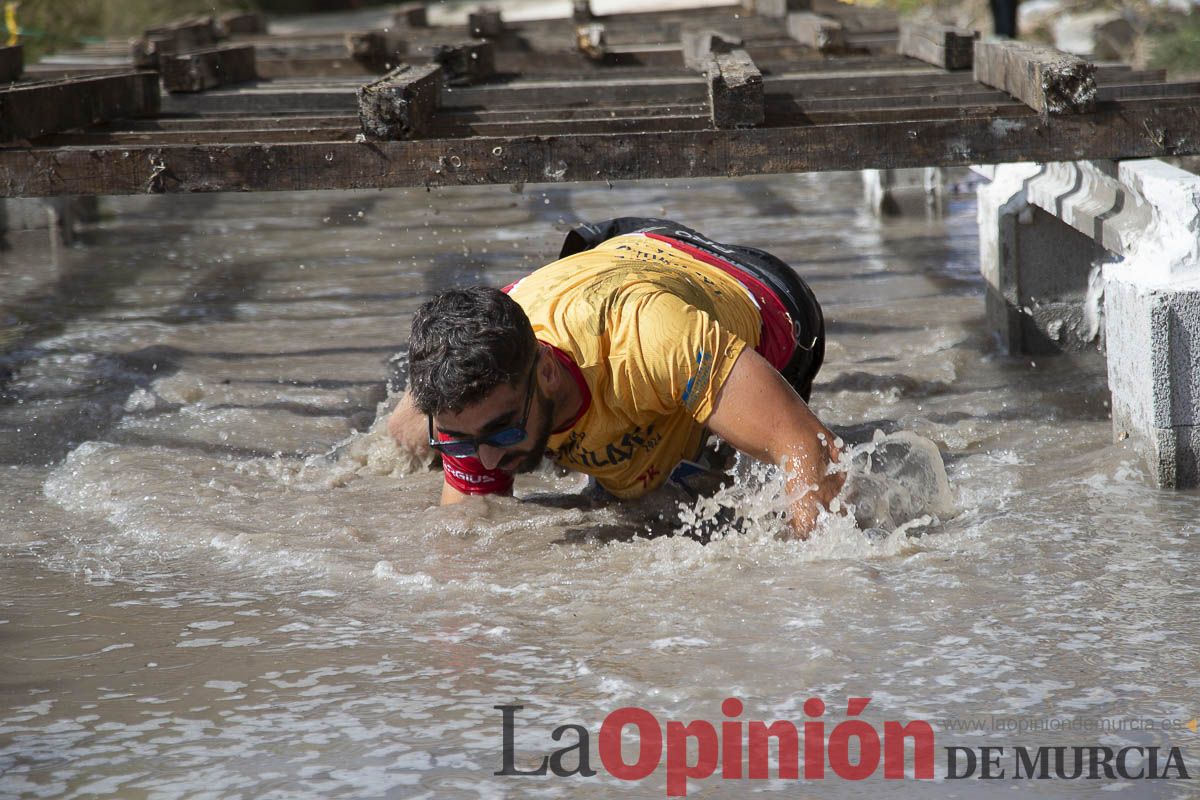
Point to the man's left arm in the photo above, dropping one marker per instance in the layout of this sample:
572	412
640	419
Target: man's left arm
759	413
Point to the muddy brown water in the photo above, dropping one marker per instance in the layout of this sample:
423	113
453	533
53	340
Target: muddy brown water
218	580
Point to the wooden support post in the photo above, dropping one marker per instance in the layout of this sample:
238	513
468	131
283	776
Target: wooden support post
242	24
735	90
592	40
940	45
1047	80
27	112
207	69
485	23
377	50
12	62
698	45
466	62
817	32
410	15
401	104
780	8
581	11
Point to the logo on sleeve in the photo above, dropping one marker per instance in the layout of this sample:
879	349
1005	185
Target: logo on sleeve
697	383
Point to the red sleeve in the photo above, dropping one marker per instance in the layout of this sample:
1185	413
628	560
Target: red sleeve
469	476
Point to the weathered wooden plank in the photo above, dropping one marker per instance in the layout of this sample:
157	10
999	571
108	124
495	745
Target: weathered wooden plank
377	50
940	45
699	44
307	97
465	63
401	104
533	94
781	108
735	90
235	122
242	23
440	129
12	61
1131	91
666	60
321	122
1127	129
549	123
820	33
27	112
1047	80
207	69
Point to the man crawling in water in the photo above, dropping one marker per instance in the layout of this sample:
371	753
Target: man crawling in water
616	361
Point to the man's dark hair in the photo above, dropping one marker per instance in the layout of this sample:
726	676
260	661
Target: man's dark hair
465	343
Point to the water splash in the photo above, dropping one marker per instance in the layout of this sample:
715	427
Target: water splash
896	485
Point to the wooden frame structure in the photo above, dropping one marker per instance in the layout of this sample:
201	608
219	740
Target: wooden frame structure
716	91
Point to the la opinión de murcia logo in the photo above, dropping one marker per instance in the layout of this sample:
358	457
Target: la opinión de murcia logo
734	749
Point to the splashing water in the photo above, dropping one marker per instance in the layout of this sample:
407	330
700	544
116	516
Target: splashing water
896	485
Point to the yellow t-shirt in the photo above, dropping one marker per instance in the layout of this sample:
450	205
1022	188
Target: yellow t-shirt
655	333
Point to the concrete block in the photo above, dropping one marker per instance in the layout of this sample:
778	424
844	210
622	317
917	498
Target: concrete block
1114	248
1154	374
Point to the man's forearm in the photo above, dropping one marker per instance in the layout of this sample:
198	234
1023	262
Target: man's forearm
812	485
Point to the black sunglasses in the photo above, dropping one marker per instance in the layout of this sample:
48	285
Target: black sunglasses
512	435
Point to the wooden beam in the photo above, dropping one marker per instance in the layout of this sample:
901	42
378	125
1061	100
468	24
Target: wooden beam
735	90
27	112
820	33
377	50
401	104
12	61
634	91
450	126
1125	129
207	69
241	23
1047	80
465	63
699	44
940	45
